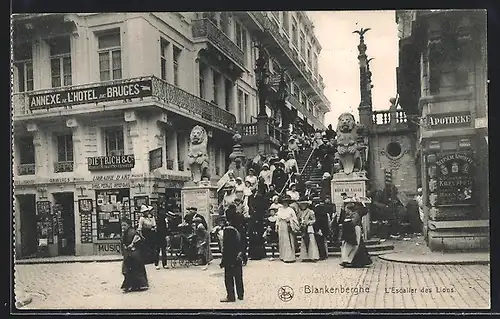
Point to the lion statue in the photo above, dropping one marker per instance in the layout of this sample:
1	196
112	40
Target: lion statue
198	154
347	157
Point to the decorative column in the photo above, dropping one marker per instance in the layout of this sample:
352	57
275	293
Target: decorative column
41	149
134	135
79	162
365	85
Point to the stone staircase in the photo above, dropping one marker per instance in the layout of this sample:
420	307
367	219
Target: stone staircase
311	171
374	246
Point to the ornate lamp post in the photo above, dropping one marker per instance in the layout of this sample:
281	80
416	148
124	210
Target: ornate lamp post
365	105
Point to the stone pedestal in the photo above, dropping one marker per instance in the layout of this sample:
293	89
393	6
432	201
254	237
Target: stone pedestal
204	198
353	184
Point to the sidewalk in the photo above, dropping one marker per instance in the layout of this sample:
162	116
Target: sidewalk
68	259
415	251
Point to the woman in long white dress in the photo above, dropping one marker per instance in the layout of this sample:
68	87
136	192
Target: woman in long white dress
308	247
286	222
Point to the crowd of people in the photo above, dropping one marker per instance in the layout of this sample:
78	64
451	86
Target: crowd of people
266	203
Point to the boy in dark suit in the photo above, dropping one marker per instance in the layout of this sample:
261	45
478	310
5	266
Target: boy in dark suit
232	258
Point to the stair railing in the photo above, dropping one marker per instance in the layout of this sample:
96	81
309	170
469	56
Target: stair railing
302	171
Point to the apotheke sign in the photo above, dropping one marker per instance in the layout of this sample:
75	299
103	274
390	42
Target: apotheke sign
449	119
111	162
112	92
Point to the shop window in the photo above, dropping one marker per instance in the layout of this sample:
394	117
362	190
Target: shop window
60	61
112	206
394	149
114	141
23	60
110	56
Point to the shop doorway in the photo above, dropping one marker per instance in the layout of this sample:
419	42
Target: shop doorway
65	209
28	219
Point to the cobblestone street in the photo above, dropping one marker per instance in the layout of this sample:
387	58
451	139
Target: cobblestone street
383	285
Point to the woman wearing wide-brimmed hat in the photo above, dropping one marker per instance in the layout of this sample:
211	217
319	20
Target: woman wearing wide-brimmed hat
353	251
147	229
286	225
133	270
308	245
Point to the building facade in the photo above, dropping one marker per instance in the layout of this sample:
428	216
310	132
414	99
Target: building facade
103	105
442	79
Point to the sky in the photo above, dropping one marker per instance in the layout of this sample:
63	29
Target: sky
338	60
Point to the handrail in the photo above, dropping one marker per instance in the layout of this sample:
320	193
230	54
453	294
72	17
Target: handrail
302	171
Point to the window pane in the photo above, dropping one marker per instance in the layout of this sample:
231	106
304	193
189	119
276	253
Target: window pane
67	66
109	40
176	74
163	69
26	150
29	77
117	74
117	59
29	71
104	75
103	61
55	69
20	76
60	45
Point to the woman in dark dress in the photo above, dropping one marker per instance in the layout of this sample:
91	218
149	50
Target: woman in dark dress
133	269
353	250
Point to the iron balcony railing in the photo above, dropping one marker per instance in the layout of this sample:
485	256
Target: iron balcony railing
204	28
26	169
65	166
174	98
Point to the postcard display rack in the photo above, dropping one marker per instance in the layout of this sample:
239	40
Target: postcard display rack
45	224
111	207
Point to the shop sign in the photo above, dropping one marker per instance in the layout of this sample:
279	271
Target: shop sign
111	162
107	249
111	181
25	182
112	92
455	177
449	119
156	158
356	188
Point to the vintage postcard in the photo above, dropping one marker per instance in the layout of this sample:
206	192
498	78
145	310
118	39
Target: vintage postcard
327	160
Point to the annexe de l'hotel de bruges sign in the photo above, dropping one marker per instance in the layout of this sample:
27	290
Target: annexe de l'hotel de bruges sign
110	92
